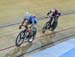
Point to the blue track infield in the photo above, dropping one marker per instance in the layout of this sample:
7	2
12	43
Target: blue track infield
64	49
70	53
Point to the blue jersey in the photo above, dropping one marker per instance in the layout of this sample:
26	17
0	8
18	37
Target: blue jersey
32	20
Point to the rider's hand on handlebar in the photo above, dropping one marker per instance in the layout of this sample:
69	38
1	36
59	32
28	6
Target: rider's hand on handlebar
20	27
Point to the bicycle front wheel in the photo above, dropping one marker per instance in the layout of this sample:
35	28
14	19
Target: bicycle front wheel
45	27
20	38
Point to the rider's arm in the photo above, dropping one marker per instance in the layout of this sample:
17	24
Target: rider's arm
22	23
48	13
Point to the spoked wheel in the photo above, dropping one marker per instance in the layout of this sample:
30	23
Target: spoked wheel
45	27
20	38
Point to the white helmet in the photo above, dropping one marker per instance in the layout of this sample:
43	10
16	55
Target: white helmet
27	15
53	10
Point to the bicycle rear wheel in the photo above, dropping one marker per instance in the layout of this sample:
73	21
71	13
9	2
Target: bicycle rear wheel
32	35
53	27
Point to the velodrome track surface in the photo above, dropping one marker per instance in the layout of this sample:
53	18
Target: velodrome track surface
49	39
12	11
69	12
39	42
12	50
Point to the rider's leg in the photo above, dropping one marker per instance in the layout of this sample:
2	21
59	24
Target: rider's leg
34	30
50	21
54	25
33	34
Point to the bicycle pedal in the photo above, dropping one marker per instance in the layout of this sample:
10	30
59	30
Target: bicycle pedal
31	40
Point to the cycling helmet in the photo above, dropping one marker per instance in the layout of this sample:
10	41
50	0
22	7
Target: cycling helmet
53	10
27	15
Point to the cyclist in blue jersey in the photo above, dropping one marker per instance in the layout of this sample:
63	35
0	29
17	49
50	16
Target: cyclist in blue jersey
29	19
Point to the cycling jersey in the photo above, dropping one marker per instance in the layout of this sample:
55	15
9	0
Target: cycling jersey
54	14
31	19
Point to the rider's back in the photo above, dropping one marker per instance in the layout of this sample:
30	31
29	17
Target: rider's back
33	19
54	12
